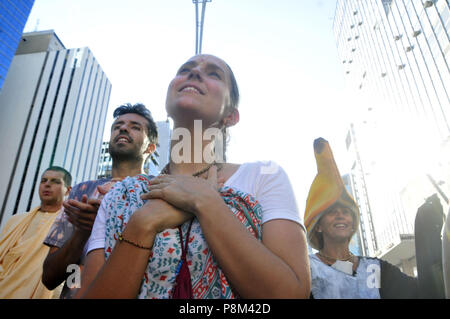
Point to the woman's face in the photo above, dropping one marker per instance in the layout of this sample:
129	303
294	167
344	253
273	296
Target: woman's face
337	224
200	90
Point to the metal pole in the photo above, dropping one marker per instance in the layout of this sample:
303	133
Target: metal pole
201	26
196	27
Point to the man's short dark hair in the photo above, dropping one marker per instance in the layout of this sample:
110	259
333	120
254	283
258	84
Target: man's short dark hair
141	110
67	177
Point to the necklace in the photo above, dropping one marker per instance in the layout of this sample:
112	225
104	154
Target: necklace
183	284
166	169
332	259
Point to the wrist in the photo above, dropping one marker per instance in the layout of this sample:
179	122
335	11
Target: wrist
81	236
205	204
140	233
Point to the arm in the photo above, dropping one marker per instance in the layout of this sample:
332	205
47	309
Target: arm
277	267
102	279
106	279
55	265
397	285
81	215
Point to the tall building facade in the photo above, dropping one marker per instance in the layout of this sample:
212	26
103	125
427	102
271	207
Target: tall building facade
356	246
153	165
13	17
53	107
396	56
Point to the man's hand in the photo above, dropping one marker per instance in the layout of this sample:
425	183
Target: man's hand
81	214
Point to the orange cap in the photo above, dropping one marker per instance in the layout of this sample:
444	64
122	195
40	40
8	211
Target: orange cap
326	190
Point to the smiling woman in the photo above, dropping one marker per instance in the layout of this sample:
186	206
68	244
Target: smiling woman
332	218
202	229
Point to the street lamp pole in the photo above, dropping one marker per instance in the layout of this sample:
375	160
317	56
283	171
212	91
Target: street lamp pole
199	24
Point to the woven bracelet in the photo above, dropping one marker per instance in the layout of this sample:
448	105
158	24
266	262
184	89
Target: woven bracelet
121	239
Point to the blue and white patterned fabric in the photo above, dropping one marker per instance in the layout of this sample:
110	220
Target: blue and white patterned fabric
330	283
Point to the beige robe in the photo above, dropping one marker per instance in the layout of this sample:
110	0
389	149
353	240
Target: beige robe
22	254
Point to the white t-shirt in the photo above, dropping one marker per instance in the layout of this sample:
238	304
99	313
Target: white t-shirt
266	181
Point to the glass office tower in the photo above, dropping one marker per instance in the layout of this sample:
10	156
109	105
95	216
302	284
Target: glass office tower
13	17
396	56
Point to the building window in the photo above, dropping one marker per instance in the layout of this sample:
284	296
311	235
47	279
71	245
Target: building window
429	3
387	6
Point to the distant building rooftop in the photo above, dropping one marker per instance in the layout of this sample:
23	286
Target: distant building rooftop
39	41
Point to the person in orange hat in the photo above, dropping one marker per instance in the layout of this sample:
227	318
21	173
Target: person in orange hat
331	219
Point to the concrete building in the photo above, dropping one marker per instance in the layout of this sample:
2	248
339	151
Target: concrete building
356	243
396	57
153	165
53	107
13	17
356	181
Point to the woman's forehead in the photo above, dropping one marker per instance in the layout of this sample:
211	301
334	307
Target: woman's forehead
208	58
332	209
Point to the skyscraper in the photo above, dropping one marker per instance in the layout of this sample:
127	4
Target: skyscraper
396	56
53	107
13	17
397	52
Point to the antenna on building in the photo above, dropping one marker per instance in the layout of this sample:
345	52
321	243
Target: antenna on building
199	24
37	25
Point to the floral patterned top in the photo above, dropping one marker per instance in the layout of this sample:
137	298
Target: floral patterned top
208	280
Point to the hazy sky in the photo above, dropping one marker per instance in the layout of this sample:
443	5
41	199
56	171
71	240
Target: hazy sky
282	52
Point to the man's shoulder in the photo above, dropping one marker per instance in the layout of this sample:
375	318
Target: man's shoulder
99	181
13	221
16	218
87	188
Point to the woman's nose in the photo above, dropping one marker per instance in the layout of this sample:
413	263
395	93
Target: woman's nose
195	73
340	213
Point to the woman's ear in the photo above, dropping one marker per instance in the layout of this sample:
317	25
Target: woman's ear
318	227
232	118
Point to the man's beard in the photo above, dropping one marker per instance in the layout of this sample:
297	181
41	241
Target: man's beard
119	154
